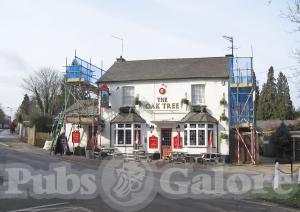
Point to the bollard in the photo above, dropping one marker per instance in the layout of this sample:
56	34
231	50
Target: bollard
299	177
276	176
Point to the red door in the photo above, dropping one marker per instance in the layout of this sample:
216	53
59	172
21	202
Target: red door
166	142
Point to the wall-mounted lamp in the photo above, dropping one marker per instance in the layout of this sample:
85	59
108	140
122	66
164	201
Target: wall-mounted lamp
151	128
178	128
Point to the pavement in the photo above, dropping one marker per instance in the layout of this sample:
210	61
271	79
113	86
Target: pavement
14	151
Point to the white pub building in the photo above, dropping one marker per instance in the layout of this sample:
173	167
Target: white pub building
166	105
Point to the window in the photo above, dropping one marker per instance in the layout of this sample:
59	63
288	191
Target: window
198	94
137	134
210	135
127	134
198	134
193	137
185	137
201	137
120	136
128	95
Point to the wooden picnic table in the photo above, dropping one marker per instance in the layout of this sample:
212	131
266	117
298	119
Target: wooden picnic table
111	151
207	157
178	156
140	154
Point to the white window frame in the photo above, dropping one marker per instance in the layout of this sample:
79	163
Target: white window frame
132	128
197	128
198	94
128	95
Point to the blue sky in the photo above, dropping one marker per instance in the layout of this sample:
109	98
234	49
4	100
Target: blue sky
43	33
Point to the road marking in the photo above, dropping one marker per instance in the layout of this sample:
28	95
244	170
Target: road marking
53	207
38	207
4	144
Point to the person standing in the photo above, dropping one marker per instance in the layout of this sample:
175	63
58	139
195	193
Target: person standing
59	144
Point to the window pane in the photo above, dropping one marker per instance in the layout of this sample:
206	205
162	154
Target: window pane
210	126
185	126
201	125
192	137
185	137
120	125
128	136
198	94
120	136
210	139
128	125
137	126
201	137
137	137
192	125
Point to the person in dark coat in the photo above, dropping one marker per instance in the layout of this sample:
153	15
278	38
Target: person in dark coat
59	144
12	127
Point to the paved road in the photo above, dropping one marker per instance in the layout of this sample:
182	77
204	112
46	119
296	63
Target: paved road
12	151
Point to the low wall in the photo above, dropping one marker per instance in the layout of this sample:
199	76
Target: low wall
40	138
36	138
31	135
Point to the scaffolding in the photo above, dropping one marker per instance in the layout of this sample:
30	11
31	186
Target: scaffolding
80	86
241	105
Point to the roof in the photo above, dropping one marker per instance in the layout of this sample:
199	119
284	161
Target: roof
128	118
83	108
269	125
199	117
127	115
184	68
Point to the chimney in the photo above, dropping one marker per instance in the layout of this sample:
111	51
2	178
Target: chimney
120	59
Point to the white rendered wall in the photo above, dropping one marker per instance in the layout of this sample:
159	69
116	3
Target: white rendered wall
83	134
148	92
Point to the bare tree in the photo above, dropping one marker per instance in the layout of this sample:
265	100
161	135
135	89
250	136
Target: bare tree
293	13
2	117
44	85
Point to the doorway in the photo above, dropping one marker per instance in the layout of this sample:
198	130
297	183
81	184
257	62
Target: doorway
166	142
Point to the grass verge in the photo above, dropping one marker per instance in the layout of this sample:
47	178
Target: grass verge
281	196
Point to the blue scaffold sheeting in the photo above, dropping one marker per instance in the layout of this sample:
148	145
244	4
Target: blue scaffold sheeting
241	102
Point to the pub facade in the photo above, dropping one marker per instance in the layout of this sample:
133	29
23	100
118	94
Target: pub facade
166	105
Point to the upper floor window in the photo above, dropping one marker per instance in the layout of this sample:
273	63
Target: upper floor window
128	96
198	94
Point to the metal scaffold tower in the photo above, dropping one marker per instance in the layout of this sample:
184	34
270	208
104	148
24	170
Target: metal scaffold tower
242	107
81	97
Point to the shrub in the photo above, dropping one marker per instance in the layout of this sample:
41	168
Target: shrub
282	141
42	123
224	136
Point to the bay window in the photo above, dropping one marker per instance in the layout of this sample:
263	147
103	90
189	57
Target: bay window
196	135
127	134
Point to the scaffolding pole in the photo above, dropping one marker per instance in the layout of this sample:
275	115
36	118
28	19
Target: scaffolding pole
242	89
